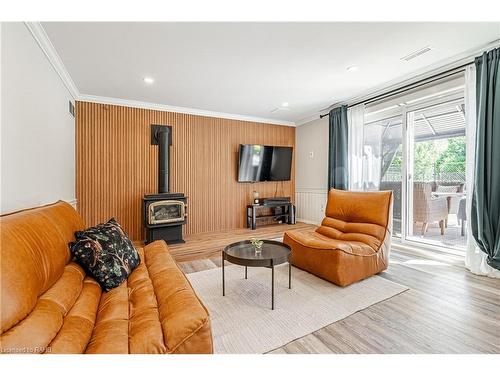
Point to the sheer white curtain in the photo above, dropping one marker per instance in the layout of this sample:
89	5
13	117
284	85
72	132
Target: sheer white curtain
356	122
475	259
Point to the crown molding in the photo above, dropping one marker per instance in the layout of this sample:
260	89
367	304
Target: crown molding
308	119
41	37
185	110
422	73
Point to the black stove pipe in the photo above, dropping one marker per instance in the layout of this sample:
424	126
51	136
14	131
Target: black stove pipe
163	136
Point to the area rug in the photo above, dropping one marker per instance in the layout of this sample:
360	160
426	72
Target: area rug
243	322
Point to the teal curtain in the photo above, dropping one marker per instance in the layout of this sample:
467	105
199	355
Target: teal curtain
337	151
485	220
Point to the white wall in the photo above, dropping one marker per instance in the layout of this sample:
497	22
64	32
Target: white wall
311	170
37	131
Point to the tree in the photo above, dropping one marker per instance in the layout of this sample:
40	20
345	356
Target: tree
424	157
430	159
453	157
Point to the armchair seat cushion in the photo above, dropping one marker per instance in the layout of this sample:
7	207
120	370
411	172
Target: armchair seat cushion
315	240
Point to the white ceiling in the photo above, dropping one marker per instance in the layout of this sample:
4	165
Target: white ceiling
251	68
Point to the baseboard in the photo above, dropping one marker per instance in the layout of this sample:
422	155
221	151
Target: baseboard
307	221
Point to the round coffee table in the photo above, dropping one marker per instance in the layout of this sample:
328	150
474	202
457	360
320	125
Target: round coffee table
243	253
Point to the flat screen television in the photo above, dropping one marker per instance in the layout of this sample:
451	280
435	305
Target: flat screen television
264	163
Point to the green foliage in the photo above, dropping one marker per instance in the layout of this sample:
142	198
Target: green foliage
453	158
430	158
398	157
425	156
256	243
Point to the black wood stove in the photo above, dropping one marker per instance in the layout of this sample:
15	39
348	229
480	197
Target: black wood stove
164	213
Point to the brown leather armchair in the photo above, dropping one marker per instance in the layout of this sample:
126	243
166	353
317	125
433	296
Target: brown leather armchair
353	241
49	305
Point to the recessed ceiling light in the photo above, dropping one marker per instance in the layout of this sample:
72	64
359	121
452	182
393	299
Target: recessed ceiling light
352	69
284	104
148	80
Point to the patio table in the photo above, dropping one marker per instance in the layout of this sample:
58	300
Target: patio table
447	194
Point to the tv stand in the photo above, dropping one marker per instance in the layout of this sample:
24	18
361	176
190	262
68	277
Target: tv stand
282	208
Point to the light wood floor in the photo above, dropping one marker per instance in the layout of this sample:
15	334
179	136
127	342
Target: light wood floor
205	245
446	310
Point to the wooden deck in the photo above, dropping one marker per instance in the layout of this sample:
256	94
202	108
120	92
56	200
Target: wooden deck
446	310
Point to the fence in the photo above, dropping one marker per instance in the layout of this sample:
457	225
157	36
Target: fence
444	172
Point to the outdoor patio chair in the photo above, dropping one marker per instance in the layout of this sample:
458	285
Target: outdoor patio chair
427	209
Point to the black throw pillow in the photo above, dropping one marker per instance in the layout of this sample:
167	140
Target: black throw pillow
105	253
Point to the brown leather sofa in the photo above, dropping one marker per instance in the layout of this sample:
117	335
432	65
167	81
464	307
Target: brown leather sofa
353	241
49	305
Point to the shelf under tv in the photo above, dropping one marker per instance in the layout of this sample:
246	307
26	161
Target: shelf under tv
280	209
268	216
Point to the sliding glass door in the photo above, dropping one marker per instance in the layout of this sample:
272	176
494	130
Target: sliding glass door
414	145
436	174
382	161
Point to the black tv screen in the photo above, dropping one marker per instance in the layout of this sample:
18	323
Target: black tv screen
264	163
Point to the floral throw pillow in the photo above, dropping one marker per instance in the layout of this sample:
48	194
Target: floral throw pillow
105	253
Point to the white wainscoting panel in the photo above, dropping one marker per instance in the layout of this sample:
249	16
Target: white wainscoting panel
310	205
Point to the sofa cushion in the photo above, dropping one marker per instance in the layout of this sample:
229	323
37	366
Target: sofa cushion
154	311
184	320
106	254
34	254
78	323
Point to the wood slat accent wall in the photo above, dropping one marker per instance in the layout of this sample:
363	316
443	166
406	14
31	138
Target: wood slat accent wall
116	165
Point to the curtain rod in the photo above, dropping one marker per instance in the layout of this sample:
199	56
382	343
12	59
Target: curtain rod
399	90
